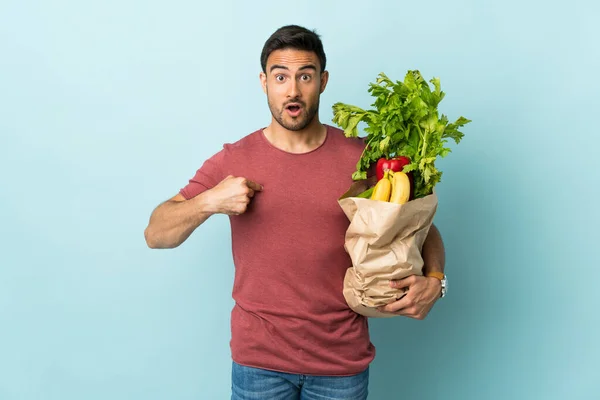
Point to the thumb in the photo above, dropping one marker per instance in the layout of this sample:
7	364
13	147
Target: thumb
254	185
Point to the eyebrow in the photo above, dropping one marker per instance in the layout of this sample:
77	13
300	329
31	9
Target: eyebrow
309	66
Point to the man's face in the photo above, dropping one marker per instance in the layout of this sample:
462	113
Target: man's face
293	85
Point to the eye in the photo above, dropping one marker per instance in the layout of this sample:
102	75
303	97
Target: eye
305	77
279	78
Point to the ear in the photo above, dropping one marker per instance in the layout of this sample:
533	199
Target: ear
263	81
324	80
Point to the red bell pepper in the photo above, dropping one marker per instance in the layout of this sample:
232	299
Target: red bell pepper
395	164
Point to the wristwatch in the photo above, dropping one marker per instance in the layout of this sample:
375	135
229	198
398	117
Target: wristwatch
443	280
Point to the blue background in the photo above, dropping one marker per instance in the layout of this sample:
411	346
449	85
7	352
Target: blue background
108	108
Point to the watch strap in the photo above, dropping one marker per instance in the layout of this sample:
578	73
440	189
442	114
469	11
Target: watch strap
435	274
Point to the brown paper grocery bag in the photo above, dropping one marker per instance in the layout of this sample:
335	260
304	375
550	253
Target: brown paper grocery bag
384	241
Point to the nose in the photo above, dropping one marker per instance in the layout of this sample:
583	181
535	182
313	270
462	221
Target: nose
294	91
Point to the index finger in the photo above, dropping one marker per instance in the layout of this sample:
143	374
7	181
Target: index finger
396	305
253	185
403	283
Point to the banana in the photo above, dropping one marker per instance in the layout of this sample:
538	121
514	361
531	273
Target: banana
382	189
400	188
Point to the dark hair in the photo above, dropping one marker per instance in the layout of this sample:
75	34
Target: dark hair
295	37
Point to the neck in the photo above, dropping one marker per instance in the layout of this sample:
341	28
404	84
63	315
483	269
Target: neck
301	141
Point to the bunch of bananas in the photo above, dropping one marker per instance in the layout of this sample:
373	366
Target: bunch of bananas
394	187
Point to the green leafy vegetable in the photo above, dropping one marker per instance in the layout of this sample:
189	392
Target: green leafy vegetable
405	122
367	193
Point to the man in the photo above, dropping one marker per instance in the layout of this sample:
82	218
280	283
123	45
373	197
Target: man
293	335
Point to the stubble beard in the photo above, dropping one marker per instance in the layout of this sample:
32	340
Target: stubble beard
298	123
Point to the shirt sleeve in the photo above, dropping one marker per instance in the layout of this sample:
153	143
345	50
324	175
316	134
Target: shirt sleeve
207	176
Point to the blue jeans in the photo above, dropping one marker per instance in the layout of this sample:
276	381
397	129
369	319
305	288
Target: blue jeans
249	383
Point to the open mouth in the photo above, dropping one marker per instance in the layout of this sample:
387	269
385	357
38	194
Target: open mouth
293	109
